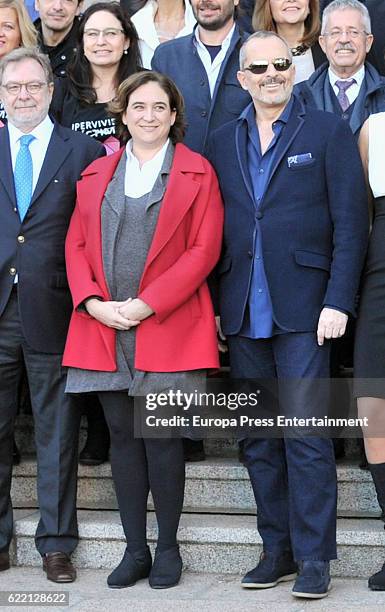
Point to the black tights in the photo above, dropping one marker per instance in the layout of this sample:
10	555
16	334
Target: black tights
139	465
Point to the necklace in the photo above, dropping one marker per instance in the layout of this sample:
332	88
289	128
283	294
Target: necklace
299	50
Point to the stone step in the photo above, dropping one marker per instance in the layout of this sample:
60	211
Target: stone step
215	485
209	543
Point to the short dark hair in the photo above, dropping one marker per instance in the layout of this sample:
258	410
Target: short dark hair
131	84
79	70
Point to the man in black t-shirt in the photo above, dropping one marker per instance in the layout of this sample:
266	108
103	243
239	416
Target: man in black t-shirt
57	26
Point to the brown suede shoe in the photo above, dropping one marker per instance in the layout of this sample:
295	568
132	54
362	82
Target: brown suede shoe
4	561
59	567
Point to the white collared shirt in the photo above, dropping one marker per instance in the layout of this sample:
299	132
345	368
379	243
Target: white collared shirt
353	91
212	68
143	21
38	146
140	180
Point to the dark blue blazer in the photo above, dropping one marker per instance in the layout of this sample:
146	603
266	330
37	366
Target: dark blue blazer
179	59
370	100
313	220
35	247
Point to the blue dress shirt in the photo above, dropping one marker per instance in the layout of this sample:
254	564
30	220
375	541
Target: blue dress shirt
258	321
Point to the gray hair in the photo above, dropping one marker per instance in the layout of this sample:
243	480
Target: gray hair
261	35
23	53
343	5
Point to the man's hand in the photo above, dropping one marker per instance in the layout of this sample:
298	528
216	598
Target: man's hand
108	314
331	324
135	309
222	348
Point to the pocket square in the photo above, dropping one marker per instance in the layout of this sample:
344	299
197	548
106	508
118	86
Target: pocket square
302	159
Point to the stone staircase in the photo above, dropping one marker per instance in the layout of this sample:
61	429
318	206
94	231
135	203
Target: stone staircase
218	527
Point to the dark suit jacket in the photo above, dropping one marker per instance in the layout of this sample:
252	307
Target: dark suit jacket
313	220
179	59
371	97
35	248
319	56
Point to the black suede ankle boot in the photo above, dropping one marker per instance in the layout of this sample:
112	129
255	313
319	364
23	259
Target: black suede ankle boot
133	567
167	569
377	470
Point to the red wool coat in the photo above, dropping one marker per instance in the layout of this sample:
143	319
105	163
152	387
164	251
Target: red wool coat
186	246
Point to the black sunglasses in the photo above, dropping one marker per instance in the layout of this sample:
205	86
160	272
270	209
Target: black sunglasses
280	64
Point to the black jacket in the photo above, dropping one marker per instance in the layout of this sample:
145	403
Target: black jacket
60	55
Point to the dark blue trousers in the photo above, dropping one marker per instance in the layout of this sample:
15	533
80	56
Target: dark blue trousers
293	479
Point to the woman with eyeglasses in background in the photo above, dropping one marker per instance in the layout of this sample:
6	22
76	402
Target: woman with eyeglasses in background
298	22
108	53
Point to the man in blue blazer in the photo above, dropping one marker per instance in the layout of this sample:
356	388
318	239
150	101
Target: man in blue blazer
294	244
204	67
39	165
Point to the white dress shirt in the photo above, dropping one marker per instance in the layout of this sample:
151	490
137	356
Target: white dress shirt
212	68
140	180
144	23
38	146
353	91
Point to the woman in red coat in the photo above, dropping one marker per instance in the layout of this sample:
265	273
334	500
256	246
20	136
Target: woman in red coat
144	236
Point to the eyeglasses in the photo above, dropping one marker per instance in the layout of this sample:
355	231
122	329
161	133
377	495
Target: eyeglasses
109	34
280	64
34	87
351	32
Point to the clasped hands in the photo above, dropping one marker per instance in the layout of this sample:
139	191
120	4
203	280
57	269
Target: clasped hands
118	315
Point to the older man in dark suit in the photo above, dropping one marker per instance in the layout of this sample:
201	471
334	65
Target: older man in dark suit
295	239
347	84
39	165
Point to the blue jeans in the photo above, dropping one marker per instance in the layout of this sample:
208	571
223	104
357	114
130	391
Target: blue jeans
294	479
